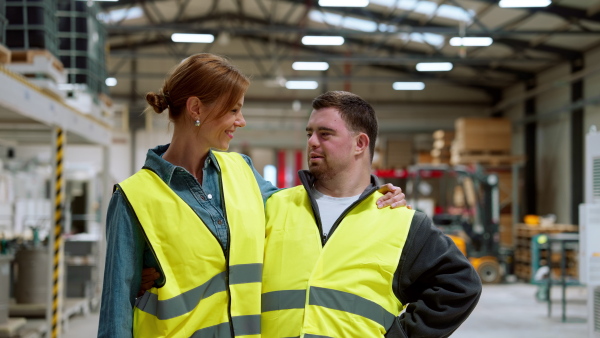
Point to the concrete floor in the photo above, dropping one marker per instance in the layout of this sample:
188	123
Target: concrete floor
505	310
512	310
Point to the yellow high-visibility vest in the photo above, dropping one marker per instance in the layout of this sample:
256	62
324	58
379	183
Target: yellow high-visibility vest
205	294
340	289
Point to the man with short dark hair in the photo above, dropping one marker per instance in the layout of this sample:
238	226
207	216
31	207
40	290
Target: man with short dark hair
336	266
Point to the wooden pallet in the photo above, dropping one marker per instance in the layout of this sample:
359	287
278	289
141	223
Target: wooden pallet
530	231
486	159
5	54
523	254
38	64
29	56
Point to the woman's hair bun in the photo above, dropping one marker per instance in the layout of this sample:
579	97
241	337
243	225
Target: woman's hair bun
158	102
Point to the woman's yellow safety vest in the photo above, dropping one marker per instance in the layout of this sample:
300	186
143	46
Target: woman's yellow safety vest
206	293
341	289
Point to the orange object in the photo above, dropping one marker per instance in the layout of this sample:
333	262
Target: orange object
532	219
460	243
488	269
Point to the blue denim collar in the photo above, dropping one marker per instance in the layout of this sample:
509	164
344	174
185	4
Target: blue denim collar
165	169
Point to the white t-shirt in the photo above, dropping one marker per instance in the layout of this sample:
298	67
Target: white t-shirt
331	208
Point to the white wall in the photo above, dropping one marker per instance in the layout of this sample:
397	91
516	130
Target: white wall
553	157
120	157
592	89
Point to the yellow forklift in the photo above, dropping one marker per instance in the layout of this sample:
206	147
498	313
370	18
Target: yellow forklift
464	203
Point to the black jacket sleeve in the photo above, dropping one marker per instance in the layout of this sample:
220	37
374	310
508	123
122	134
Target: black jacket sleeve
436	281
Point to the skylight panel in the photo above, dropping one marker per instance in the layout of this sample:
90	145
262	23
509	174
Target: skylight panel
121	14
337	20
348	22
429	38
429	8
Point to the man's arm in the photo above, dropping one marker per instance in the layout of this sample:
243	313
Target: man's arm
436	280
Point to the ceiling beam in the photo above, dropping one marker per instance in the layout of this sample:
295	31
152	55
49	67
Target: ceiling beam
279	28
356	58
565	12
266	36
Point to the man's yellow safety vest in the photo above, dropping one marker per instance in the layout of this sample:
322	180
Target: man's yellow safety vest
340	289
209	291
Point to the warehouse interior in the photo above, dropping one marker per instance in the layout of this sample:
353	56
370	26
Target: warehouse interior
488	115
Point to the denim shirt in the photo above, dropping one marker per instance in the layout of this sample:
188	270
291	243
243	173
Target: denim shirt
127	251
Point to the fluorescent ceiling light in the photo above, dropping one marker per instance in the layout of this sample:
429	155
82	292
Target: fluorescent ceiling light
343	3
323	40
471	41
192	38
408	86
111	81
100	0
121	14
301	85
524	3
434	66
310	65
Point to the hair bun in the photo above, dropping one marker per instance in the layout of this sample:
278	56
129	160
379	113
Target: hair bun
157	101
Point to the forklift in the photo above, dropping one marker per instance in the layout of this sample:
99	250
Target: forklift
464	203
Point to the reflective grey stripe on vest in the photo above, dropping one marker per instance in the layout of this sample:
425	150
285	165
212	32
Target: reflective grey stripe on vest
217	331
283	300
187	301
347	302
246	325
183	303
245	273
243	326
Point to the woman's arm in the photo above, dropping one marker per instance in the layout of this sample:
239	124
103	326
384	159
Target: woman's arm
266	187
122	271
393	196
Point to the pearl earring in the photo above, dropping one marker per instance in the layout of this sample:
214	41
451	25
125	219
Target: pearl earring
197	123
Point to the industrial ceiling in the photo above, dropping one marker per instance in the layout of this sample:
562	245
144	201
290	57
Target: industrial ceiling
383	42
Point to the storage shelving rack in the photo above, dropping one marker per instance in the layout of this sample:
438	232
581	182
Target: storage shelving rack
30	115
31	25
81	46
3	23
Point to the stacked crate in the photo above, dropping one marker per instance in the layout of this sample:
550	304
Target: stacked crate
398	154
525	266
487	142
442	142
41	68
422	148
31	41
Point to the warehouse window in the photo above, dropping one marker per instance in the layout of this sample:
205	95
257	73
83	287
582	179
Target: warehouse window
122	14
349	22
430	9
337	20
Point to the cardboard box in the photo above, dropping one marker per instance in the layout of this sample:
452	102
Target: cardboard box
483	135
